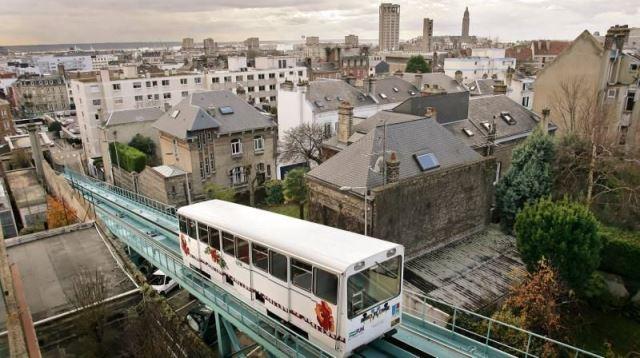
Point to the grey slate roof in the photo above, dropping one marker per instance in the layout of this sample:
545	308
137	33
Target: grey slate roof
351	166
450	107
319	90
437	78
483	109
201	110
133	115
380	118
388	87
481	87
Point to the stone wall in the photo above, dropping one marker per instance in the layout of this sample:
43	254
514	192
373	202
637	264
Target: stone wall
430	211
126	180
60	188
421	213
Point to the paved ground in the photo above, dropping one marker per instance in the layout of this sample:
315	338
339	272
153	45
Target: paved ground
48	265
469	273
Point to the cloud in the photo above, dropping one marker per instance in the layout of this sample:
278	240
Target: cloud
90	21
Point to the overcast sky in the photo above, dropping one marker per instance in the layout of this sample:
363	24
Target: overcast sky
92	21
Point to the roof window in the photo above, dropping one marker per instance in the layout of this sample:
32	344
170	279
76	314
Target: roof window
395	89
226	110
382	95
427	161
486	125
507	117
175	114
327	98
319	104
468	132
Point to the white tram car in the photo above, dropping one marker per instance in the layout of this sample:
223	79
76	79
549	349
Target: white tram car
340	289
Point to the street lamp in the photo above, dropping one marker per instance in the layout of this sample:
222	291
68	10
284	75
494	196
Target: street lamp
366	196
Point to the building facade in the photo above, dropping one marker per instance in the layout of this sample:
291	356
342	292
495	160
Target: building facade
389	27
351	40
33	95
474	68
187	43
49	64
218	138
210	47
427	34
603	74
7	127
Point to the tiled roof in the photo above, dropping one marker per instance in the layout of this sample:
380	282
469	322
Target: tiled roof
449	107
133	115
323	94
168	171
203	110
443	81
360	163
548	47
521	53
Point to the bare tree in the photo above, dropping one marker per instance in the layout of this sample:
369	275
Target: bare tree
303	143
89	294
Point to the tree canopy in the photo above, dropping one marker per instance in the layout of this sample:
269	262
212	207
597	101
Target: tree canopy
295	188
303	143
565	233
143	144
215	191
529	178
417	64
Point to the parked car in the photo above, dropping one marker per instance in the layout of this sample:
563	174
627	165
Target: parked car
162	283
202	320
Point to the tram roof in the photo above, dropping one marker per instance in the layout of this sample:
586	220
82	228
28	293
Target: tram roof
332	248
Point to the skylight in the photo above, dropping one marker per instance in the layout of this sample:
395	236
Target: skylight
508	118
175	113
327	98
468	132
226	110
427	161
319	104
395	89
412	93
383	96
486	125
339	98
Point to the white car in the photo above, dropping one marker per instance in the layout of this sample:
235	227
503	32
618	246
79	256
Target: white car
162	283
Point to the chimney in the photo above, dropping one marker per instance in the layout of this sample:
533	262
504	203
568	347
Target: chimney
167	106
509	76
544	123
36	151
428	90
417	80
431	113
287	86
345	121
458	76
499	87
393	168
617	35
372	86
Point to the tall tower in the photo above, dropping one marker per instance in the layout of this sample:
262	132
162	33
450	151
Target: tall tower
389	27
427	34
465	24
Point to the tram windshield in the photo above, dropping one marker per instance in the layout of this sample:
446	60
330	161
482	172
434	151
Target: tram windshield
373	286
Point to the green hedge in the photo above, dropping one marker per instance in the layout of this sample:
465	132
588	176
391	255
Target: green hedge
620	252
129	158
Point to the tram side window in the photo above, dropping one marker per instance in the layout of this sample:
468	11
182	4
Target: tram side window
242	250
326	285
191	228
228	244
260	257
183	224
203	233
214	238
278	265
301	274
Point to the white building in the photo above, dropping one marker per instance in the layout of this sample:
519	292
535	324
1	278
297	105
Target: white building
127	89
101	61
521	90
488	52
49	63
474	68
318	102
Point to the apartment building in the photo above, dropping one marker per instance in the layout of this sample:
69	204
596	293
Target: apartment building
49	64
110	91
543	52
33	95
474	68
101	61
389	27
606	73
218	138
7	127
351	41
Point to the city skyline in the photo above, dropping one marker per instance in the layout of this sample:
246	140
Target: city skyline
65	21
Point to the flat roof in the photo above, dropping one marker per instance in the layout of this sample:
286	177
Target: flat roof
25	188
48	264
335	249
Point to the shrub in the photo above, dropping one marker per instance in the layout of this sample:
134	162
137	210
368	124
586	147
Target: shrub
274	192
128	158
215	191
620	252
565	233
528	179
143	144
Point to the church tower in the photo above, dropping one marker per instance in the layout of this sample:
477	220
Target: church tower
465	24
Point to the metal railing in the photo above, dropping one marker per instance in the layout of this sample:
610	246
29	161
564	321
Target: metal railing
486	330
150	203
264	330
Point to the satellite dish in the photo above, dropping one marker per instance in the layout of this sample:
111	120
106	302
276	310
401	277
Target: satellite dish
377	165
